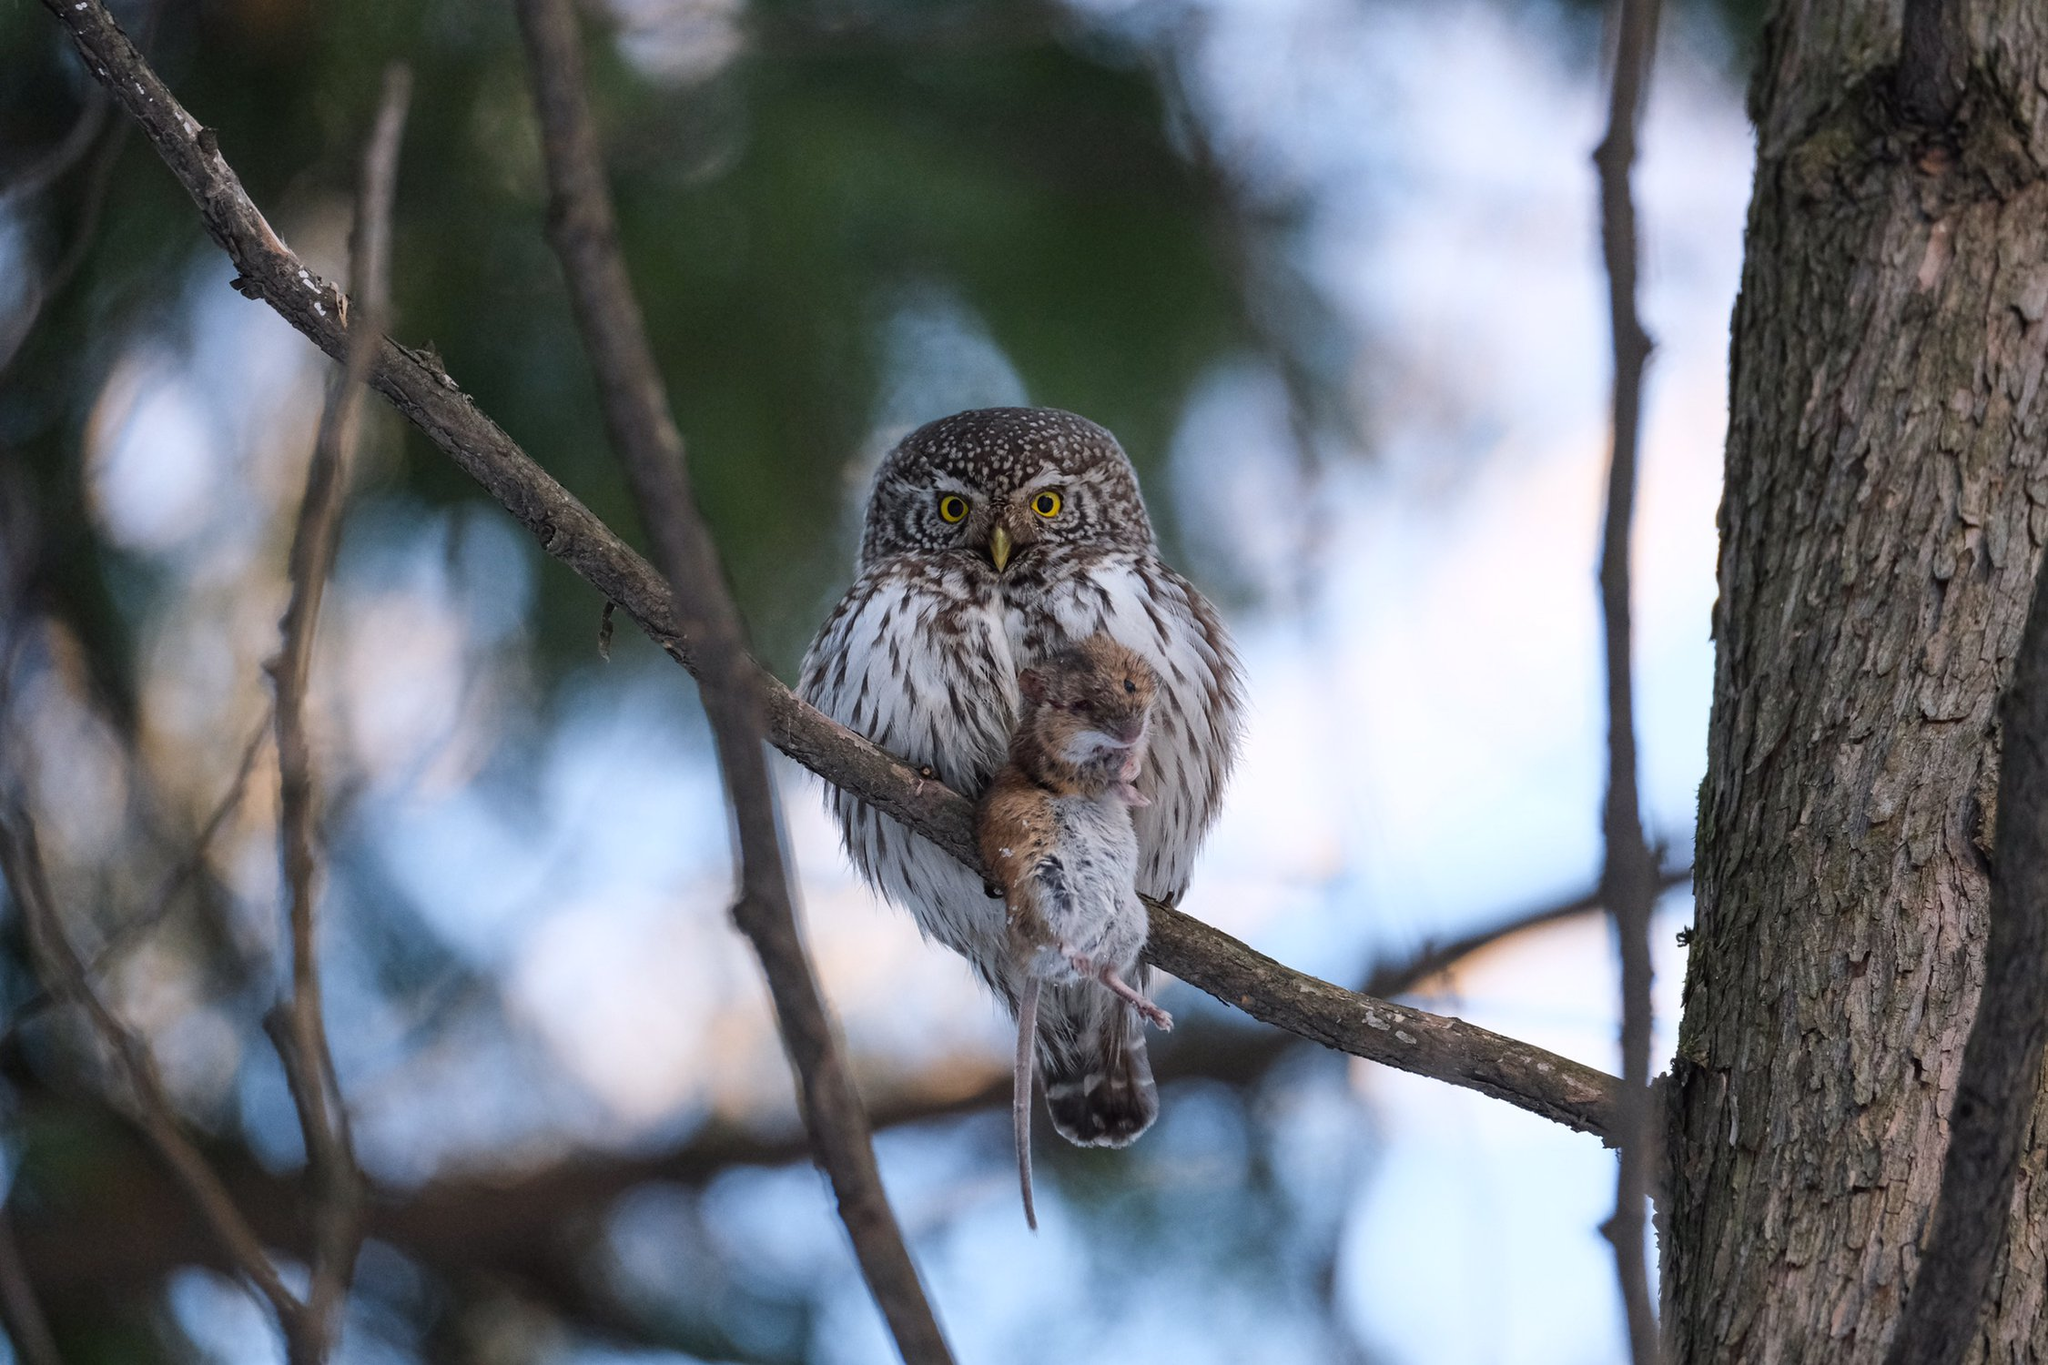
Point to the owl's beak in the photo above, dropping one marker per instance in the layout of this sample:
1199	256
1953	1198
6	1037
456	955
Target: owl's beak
999	548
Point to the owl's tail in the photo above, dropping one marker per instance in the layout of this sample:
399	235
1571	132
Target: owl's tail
1098	1078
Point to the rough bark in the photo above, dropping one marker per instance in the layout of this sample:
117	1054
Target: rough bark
1886	502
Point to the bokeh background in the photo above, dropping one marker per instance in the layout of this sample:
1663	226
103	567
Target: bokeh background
1330	269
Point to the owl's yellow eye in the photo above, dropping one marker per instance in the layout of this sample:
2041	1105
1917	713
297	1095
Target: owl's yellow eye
952	507
1047	504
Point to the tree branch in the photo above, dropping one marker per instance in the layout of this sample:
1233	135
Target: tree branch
495	1219
2001	1076
186	871
138	1090
644	434
53	165
1628	879
301	1031
28	1331
1398	978
1528	1077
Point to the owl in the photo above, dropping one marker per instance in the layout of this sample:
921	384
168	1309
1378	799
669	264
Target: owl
993	540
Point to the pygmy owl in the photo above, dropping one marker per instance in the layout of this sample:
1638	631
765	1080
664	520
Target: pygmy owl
993	540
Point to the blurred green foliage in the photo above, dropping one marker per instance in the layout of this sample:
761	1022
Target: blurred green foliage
772	217
857	154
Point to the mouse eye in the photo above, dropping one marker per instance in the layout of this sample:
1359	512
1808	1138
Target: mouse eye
952	508
1048	503
1130	686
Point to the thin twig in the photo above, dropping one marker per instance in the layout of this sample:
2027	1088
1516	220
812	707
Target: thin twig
2000	1081
423	391
175	881
644	435
484	1219
302	1036
99	183
137	1089
54	164
1628	878
28	1331
1398	978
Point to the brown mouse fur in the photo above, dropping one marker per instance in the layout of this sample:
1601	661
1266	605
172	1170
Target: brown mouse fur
1054	827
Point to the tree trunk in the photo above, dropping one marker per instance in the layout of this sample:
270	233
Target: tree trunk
1885	505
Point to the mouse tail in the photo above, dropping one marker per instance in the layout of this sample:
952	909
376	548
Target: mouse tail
1020	1094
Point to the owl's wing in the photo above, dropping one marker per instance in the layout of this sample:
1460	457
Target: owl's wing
1199	715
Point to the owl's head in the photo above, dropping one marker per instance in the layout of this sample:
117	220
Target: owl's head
1003	485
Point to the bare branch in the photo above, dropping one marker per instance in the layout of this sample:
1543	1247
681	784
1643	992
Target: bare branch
1398	978
28	1331
2000	1082
187	869
99	183
504	1219
138	1090
643	433
301	1037
56	163
423	392
1432	1045
1628	880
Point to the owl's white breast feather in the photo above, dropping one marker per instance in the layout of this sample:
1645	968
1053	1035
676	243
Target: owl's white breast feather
922	658
917	659
1196	720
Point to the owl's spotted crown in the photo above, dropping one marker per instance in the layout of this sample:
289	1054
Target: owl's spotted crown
977	483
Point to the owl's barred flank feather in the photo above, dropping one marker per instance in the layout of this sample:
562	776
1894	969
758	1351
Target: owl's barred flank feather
922	656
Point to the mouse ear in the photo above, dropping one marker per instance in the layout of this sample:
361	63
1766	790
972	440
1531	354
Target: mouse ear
1032	684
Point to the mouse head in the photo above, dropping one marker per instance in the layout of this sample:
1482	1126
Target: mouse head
1087	711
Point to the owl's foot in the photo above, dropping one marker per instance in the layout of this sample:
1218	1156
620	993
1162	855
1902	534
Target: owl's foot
1148	1011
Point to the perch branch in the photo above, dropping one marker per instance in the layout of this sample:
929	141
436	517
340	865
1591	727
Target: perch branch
643	432
416	385
1628	878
